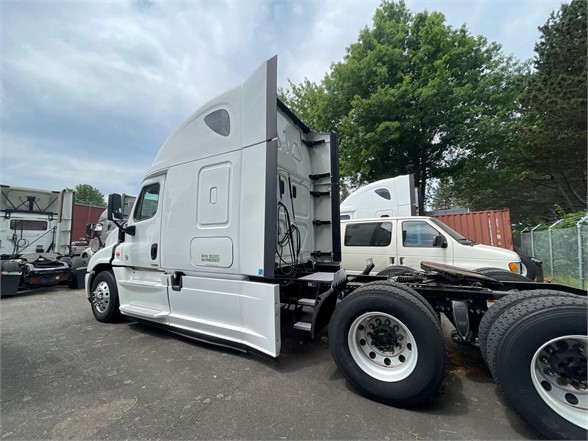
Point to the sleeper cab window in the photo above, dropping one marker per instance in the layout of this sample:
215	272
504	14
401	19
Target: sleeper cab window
418	234
148	201
219	122
383	193
369	234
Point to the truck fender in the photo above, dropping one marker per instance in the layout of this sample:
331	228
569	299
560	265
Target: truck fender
327	302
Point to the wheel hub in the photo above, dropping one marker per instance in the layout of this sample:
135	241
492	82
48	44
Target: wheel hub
568	363
558	372
101	297
382	346
384	338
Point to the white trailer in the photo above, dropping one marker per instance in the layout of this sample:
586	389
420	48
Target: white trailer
235	234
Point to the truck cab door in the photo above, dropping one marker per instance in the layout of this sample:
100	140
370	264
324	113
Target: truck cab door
417	243
141	282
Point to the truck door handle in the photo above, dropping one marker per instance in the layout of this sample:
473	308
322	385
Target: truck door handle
154	251
391	260
401	260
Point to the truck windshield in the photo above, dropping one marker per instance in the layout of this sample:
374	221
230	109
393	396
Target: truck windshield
454	234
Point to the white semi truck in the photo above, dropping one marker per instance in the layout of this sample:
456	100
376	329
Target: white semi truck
385	198
235	234
35	231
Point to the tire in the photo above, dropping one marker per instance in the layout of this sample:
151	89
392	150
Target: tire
104	298
396	270
505	303
10	267
409	290
76	262
66	260
400	376
502	275
534	348
528	267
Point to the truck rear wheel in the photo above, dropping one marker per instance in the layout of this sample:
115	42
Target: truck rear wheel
396	270
505	303
104	298
537	349
388	345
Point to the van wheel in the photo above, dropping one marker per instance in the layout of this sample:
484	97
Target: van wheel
505	303
104	298
502	275
388	345
538	352
396	270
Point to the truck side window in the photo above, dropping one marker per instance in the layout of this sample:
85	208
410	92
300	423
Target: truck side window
418	234
369	234
148	200
383	193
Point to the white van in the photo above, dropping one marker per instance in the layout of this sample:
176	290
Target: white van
410	240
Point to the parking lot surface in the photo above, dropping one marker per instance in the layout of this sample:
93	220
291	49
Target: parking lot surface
66	376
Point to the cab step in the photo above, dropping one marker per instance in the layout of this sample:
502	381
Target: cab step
303	326
306	302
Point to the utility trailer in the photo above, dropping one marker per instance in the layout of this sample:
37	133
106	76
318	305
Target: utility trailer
235	234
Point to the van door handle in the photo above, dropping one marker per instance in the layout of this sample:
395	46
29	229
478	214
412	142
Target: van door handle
154	251
391	260
401	260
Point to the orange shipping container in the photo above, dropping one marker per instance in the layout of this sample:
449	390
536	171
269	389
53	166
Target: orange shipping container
491	227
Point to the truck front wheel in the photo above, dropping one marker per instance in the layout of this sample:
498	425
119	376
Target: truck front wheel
104	298
388	345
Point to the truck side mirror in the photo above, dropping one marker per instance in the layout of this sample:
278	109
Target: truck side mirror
114	207
90	230
440	242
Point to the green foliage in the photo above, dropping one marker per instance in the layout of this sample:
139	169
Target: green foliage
88	195
541	165
556	105
413	95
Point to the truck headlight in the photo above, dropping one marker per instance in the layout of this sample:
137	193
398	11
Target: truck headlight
515	267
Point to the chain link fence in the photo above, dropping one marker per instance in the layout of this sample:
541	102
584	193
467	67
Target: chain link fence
563	250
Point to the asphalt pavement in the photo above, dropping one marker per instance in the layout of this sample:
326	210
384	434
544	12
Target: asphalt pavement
66	376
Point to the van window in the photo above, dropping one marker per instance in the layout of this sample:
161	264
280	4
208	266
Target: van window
369	234
31	225
418	234
148	200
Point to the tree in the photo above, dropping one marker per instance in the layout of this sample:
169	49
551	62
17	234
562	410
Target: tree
542	165
86	194
557	106
413	95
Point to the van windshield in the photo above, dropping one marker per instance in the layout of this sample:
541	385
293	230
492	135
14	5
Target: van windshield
458	237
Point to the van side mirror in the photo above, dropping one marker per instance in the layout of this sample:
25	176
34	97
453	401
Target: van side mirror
440	242
114	207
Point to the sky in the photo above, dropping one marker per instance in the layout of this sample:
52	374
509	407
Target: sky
90	90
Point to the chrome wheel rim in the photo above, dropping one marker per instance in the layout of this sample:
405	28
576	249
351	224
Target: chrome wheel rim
558	372
382	346
101	297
